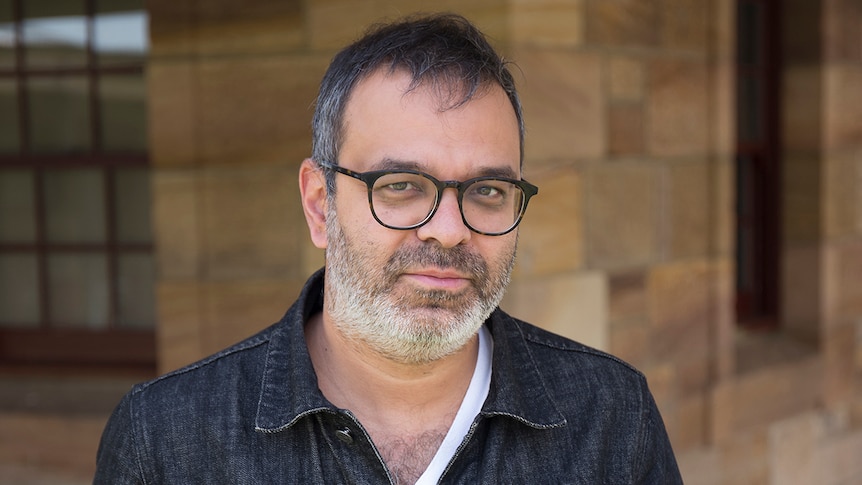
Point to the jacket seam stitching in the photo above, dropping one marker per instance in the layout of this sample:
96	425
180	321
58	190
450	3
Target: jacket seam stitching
252	343
585	351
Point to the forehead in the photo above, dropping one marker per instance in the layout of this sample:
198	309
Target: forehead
386	118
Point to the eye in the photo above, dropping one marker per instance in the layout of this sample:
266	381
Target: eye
488	191
399	186
491	195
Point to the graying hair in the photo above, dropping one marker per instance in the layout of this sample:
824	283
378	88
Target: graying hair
444	52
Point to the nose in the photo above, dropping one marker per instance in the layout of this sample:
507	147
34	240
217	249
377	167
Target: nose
446	225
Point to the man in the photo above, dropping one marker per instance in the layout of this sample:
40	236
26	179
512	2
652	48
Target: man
395	365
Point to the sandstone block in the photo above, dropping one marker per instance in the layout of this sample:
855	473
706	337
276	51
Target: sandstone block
622	215
563	108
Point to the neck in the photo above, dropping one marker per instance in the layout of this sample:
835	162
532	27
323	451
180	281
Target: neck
380	391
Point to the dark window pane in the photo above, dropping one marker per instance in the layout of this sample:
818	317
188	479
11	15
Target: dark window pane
19	291
75	206
59	115
17	207
124	113
137	294
7	36
9	132
78	289
133	206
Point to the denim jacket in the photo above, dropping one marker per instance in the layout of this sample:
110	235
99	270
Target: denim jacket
557	412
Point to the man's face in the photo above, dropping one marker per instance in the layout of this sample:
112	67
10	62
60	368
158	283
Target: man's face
417	295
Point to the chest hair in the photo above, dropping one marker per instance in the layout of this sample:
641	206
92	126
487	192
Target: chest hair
408	457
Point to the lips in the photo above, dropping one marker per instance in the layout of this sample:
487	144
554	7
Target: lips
440	273
438	278
429	268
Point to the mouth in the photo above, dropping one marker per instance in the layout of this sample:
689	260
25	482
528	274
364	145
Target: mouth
438	279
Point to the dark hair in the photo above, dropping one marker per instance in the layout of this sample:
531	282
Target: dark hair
443	51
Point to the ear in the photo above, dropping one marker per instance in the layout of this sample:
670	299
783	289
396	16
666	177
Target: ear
312	190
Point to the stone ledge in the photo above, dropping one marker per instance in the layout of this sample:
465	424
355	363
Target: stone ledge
66	396
756	350
766	393
55	445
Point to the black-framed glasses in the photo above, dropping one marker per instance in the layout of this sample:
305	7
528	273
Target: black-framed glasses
407	199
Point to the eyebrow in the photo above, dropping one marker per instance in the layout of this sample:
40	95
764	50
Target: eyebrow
395	164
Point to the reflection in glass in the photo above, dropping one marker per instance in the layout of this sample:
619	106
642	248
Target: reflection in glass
133	206
7	36
17	207
121	36
59	114
137	294
9	134
124	113
78	289
19	291
75	206
54	33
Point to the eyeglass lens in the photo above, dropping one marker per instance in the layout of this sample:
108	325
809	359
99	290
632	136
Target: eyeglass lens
403	200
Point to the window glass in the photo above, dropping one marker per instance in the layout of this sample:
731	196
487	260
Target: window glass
7	35
59	114
17	207
133	206
75	206
19	291
78	289
121	32
9	133
122	100
54	33
137	295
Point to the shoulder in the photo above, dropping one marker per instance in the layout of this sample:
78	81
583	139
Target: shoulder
574	375
167	418
594	405
545	345
216	392
242	361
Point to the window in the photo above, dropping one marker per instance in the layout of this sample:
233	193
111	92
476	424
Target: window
76	251
758	175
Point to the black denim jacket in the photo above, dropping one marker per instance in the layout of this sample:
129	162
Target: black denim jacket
557	412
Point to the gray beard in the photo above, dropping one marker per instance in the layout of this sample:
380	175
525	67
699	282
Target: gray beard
414	328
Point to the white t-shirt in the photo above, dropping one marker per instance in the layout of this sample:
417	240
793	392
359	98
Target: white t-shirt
477	392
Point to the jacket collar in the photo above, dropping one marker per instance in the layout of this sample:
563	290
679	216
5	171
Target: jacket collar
289	389
518	388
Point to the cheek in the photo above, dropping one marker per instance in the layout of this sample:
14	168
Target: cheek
353	214
498	250
367	240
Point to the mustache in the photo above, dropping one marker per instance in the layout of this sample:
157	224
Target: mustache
458	258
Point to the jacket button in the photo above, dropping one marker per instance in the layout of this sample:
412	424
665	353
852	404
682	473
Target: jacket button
344	435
